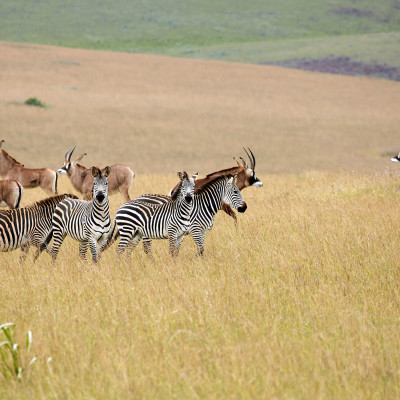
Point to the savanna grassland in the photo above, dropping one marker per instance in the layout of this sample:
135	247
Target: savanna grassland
300	300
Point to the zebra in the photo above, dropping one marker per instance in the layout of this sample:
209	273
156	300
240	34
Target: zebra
207	200
29	226
88	222
168	220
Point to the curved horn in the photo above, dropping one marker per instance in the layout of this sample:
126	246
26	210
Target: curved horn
69	152
252	159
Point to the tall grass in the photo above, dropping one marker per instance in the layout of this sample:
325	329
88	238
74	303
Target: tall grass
301	300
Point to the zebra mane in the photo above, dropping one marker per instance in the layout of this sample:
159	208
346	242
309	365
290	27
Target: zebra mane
176	192
11	158
50	201
206	185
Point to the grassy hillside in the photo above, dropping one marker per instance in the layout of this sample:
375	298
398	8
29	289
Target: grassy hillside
300	301
256	31
162	114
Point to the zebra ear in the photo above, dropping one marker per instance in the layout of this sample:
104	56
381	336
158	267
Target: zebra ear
235	179
230	180
195	176
95	171
183	175
107	171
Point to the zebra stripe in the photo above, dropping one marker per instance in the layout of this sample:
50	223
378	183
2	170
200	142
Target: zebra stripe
88	222
169	220
24	227
207	200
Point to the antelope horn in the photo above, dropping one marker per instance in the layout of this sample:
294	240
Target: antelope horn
252	159
69	152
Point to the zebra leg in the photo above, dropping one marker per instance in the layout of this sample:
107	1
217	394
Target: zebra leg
172	238
93	250
24	252
57	242
124	240
83	246
147	245
199	237
179	241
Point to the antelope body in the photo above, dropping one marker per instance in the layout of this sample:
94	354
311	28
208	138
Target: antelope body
10	168
10	193
120	178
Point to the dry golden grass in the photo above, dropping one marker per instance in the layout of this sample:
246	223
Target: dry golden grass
301	300
162	115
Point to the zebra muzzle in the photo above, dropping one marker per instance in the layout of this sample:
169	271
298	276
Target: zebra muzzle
188	198
243	208
100	197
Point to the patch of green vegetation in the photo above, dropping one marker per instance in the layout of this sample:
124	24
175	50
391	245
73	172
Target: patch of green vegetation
231	30
33	101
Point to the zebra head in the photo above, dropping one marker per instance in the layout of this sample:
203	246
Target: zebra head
67	161
186	187
100	183
232	196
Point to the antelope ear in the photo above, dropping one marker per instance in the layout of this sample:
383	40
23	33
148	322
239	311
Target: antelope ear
95	171
195	176
1	142
79	158
107	171
240	165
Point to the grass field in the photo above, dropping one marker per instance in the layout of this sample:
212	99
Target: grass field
301	300
257	32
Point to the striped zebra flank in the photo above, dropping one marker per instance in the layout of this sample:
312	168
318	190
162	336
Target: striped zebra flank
157	220
207	201
29	226
88	222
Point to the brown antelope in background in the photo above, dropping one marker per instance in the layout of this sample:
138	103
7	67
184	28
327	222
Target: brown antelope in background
10	193
10	168
245	177
120	179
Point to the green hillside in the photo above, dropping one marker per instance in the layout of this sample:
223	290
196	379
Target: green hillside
283	32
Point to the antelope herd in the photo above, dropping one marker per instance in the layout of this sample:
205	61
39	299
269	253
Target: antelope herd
189	209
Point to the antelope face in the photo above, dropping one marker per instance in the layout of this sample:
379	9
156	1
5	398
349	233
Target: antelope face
253	180
233	196
64	170
395	159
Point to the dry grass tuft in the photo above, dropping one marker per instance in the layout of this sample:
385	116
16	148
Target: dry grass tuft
301	300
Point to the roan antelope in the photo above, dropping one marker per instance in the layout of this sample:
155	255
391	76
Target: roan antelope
245	177
10	193
10	168
120	178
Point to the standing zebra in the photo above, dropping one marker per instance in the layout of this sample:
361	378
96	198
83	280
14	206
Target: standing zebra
28	226
207	200
169	220
88	222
